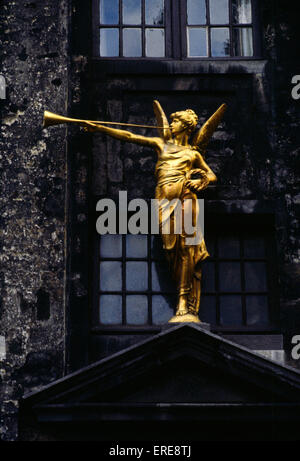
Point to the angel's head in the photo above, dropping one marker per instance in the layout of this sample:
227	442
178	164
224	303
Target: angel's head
184	120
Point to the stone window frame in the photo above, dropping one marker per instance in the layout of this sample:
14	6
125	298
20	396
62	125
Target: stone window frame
176	43
97	26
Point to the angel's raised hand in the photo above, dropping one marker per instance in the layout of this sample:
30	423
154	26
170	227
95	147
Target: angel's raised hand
195	172
196	185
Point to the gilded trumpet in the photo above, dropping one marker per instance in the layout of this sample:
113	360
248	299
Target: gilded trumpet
51	119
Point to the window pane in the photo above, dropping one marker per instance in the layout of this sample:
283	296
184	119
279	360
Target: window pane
154	12
254	247
230	276
162	309
229	247
241	11
219	12
111	309
257	310
220	45
255	276
242	41
155	43
136	276
137	309
111	276
196	12
208	277
231	310
157	251
210	244
136	246
132	12
109	11
111	246
161	278
207	312
197	41
109	42
132	42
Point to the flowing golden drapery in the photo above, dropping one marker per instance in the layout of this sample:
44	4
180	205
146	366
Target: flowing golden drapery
185	260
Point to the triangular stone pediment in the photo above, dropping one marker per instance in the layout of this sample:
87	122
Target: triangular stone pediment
184	365
186	381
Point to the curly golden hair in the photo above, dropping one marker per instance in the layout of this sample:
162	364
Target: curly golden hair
188	117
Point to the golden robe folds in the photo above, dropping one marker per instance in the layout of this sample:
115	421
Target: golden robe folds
185	260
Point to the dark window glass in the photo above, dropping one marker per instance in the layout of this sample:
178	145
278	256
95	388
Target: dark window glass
110	309
154	12
208	309
111	246
242	41
241	11
219	11
229	246
254	247
109	42
109	12
161	279
132	12
136	285
220	45
230	276
197	42
255	276
111	276
155	43
196	12
231	310
137	310
136	276
162	309
132	42
210	243
136	246
257	310
208	277
157	248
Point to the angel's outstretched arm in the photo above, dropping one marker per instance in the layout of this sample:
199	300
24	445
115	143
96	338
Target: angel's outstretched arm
125	135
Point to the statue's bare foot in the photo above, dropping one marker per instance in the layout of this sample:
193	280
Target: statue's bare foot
181	311
182	308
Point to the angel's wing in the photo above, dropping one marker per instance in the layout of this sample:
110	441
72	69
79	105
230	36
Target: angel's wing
164	133
203	136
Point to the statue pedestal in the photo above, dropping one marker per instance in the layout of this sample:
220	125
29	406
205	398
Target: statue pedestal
188	318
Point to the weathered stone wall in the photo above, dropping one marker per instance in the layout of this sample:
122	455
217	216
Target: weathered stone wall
282	39
34	62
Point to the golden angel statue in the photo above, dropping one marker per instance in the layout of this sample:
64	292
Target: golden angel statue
178	162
